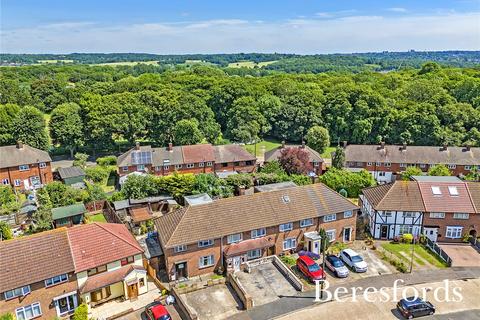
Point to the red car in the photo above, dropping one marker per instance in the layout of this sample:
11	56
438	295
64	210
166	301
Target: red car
310	268
157	311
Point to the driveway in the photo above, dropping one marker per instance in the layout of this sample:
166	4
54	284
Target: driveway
462	255
265	283
140	314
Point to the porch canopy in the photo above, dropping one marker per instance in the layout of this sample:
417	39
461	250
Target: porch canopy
248	245
106	279
312	236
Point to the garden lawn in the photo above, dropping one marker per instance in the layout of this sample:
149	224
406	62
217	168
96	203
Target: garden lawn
421	255
268	144
99	217
327	154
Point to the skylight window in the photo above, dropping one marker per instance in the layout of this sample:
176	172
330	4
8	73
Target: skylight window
286	199
453	190
436	191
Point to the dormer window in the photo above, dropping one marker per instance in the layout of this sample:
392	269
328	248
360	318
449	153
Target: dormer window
453	191
436	191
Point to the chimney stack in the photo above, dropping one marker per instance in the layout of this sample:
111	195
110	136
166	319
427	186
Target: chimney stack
19	144
382	145
283	144
170	146
467	147
137	145
303	144
404	146
344	142
445	147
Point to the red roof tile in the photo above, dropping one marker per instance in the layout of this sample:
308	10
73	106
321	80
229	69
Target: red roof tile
107	278
140	214
198	153
446	202
250	244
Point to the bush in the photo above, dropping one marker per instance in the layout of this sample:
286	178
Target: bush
240	180
107	161
81	313
289	260
97	174
407	238
7	316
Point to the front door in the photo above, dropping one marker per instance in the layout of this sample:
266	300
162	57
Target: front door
316	247
181	269
236	263
133	291
431	233
347	234
384	232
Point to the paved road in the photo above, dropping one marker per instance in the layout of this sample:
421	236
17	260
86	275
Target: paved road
303	300
464	315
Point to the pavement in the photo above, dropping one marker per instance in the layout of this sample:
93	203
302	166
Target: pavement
374	307
289	304
462	254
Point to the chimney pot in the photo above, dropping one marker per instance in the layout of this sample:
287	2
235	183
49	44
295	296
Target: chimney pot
382	145
19	144
137	145
344	143
170	146
445	147
467	148
283	144
404	146
303	144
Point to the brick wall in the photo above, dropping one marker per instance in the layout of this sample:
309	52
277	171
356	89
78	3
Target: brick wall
396	168
473	223
13	173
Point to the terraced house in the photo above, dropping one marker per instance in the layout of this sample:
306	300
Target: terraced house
24	167
200	158
387	162
49	274
444	209
226	233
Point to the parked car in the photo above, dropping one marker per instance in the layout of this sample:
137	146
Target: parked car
413	307
353	260
310	268
157	311
336	266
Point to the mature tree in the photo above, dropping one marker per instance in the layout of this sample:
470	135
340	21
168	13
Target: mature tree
429	67
318	139
59	194
8	112
212	185
294	160
411	171
66	126
245	122
241	180
29	126
80	160
43	219
5	231
176	184
272	167
338	159
351	182
8	200
439	170
187	132
94	192
139	187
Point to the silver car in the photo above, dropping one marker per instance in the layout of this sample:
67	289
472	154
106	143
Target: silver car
334	264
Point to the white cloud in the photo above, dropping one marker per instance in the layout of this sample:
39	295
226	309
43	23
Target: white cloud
397	9
344	33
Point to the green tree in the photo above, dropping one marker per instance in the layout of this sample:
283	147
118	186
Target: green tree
439	170
139	187
429	67
80	160
8	113
338	159
241	180
30	128
94	192
318	138
411	171
5	231
8	200
351	182
272	167
66	126
186	132
212	185
42	219
176	184
81	312
60	195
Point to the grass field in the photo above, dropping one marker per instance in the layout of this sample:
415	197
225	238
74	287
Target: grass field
422	256
54	61
249	64
264	145
327	154
126	63
99	217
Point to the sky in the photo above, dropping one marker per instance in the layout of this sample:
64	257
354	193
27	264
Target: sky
231	26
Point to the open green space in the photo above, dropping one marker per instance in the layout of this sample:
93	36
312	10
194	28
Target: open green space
127	63
249	64
327	154
99	217
422	255
262	146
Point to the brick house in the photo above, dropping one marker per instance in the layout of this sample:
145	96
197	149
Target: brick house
24	167
200	158
387	162
50	273
225	233
442	208
316	162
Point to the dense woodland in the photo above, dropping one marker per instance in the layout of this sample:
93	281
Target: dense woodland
97	107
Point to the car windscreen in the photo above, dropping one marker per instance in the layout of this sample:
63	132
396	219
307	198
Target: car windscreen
357	259
337	263
313	268
165	317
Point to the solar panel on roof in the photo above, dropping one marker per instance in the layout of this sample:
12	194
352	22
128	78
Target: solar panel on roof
141	157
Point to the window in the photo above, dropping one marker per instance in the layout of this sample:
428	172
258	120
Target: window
206	261
190	165
178	166
403	165
166	168
65	304
454	232
225	164
42	165
452	166
101	294
408	214
463	216
286	227
381	173
209	163
23	167
249	163
258	233
17	182
386	213
306	222
205	243
56	280
126	261
388	164
315	163
423	165
201	164
5	181
453	191
405	229
236	163
140	167
19	292
369	163
331	235
468	167
437	215
436	191
253	254
180	248
330	217
359	164
158	168
233	238
378	164
96	270
124	169
29	312
290	243
348	214
141	282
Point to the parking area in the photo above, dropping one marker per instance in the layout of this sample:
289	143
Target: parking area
462	254
140	314
265	283
213	303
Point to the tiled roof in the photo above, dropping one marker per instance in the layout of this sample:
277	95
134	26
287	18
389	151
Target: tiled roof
140	214
474	190
97	244
412	154
125	159
163	156
11	156
274	154
107	278
244	213
232	153
34	258
250	244
70	172
198	153
446	202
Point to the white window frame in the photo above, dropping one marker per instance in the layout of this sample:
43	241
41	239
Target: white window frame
381	173
285	227
254	254
409	214
330	217
316	163
70	307
178	166
453	191
454	232
257	233
17	292
42	165
209	163
403	165
405	229
378	164
388	164
124	169
206	261
369	163
331	235
56	280
5	181
17	182
180	248
32	306
423	165
461	216
205	243
387	214
190	165
348	214
306	222
452	166
437	215
234	238
289	243
436	191
166	167
140	167
201	164
23	167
